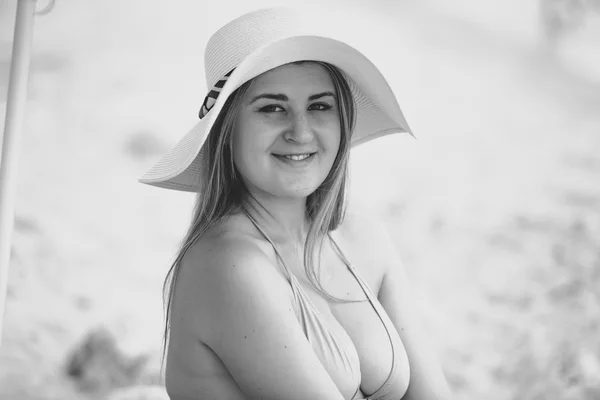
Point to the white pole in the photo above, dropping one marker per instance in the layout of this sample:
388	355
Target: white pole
15	109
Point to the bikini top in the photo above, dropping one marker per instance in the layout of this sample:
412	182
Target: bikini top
342	364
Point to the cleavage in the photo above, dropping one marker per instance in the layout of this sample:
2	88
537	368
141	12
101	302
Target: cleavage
355	324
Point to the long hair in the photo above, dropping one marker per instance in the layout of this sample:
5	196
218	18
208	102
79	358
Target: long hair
223	191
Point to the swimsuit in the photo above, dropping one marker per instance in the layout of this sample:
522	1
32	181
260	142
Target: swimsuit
342	364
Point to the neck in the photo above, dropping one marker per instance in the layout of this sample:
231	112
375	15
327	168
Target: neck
284	219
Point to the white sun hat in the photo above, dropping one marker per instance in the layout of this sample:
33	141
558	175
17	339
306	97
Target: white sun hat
256	43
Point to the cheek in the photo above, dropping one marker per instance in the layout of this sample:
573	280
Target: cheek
246	148
334	137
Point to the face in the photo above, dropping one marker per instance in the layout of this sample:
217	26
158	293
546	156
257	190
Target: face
287	132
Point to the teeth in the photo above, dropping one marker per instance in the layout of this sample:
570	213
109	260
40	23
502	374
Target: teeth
297	157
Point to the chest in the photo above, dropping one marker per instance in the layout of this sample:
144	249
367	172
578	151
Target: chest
333	273
356	326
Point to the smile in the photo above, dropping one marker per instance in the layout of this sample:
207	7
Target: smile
295	158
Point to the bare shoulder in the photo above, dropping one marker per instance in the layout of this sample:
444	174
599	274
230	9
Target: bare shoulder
224	246
360	226
230	247
368	244
245	312
223	267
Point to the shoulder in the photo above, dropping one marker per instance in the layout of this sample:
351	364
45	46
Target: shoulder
230	247
224	268
217	251
365	237
225	257
245	314
362	226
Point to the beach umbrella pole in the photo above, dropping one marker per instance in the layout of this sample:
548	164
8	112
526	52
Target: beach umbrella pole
15	110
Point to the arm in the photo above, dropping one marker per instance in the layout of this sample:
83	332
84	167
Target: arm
427	380
254	330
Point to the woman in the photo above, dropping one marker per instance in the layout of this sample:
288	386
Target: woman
263	302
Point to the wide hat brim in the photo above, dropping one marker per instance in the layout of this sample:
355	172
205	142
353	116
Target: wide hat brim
377	110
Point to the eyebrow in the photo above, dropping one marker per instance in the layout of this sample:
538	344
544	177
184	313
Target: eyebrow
283	97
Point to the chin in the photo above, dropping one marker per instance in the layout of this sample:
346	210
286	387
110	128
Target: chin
288	188
301	192
299	188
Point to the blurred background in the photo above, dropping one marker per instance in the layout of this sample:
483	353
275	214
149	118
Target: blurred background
495	208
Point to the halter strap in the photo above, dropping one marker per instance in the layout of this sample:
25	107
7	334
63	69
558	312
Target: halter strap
262	231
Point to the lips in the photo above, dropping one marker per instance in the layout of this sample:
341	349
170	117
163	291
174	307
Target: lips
295	157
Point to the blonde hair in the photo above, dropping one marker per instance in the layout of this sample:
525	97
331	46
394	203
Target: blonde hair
224	192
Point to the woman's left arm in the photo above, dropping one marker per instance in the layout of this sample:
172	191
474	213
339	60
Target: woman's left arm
427	380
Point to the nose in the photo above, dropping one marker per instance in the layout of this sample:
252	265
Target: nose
300	130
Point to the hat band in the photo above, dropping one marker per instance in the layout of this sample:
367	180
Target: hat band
211	97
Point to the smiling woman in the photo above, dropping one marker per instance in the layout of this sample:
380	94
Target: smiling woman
262	302
287	133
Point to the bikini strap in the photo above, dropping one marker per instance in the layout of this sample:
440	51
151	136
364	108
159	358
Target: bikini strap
373	300
370	295
277	253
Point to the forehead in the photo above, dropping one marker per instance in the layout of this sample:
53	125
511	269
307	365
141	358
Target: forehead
302	77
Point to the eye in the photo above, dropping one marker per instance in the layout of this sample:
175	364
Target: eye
271	108
320	107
